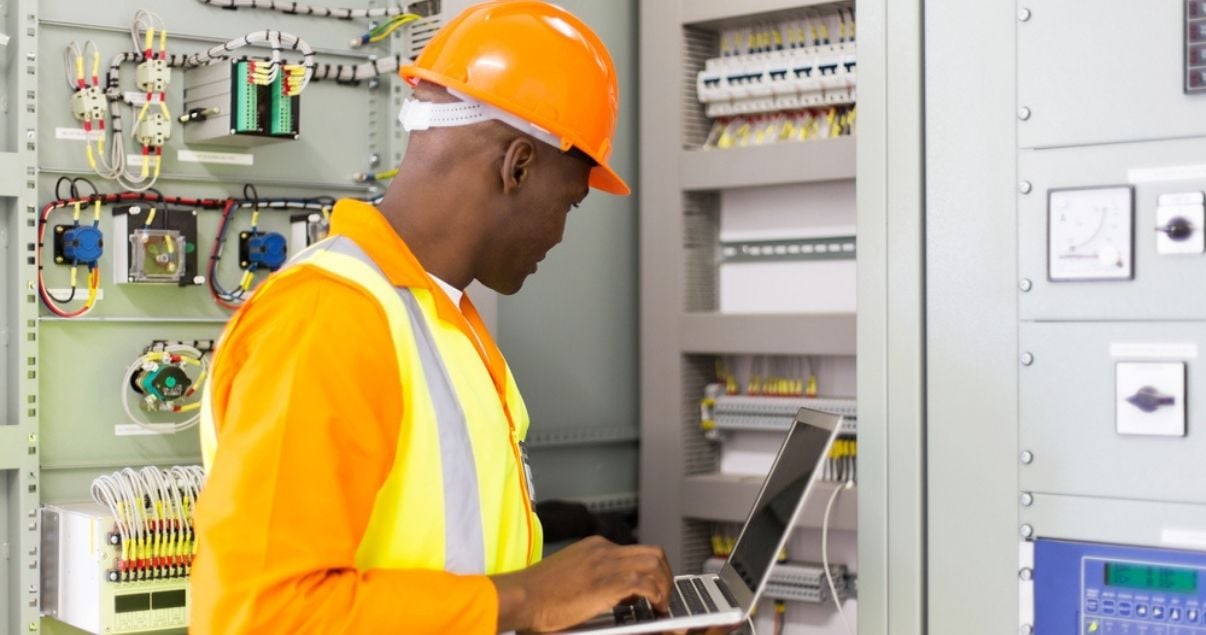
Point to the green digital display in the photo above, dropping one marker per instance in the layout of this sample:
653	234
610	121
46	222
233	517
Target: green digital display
1149	578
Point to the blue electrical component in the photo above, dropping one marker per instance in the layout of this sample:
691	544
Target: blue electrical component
263	250
82	245
1100	589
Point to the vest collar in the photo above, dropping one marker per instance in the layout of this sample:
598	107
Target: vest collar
364	224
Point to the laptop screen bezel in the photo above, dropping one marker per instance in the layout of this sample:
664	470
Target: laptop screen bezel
830	423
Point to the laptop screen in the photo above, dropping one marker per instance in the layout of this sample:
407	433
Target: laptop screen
776	506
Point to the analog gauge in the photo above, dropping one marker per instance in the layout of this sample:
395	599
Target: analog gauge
1090	234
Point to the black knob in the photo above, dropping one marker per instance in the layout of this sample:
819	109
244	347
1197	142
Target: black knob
1178	228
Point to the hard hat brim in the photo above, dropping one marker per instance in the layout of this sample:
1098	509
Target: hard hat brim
602	176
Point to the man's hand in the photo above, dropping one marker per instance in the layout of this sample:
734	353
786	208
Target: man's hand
579	582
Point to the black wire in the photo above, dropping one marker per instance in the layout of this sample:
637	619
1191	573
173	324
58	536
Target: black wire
92	186
58	192
70	296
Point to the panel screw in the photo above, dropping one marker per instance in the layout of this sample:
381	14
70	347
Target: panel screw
1027	457
1027	359
374	83
1027	531
1026	574
1024	187
1023	113
1025	284
1027	499
1026	629
374	160
1024	15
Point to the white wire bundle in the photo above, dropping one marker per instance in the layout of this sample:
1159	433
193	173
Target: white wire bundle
148	501
276	40
305	9
115	166
151	357
359	72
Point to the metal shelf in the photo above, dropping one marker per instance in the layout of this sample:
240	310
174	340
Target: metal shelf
727	498
710	12
778	164
768	334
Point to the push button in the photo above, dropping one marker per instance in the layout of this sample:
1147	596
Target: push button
1091	605
1124	609
1191	616
1174	614
1158	612
1107	607
1140	610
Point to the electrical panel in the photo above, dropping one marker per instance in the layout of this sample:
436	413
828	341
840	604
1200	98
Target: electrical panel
1110	381
148	210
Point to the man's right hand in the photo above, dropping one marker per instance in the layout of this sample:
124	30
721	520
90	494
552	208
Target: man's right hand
579	582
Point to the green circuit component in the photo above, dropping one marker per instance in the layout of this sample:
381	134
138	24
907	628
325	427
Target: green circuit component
280	113
246	100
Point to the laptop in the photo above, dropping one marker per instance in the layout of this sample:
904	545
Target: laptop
728	598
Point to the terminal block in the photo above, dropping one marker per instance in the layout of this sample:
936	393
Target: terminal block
154	130
88	104
153	76
237	110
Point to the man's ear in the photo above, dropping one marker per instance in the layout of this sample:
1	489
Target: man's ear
517	164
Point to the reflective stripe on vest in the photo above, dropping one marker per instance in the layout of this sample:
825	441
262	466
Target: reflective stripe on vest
454	498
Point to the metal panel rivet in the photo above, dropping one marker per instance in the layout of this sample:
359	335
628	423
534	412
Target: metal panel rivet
1027	359
1025	284
1027	531
1026	574
1025	187
1023	113
1027	499
1026	629
1024	15
1027	457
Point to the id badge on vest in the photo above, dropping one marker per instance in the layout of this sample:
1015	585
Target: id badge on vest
527	473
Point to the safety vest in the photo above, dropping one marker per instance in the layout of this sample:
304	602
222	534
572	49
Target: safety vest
457	496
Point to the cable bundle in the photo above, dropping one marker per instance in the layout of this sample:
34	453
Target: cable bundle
153	520
297	8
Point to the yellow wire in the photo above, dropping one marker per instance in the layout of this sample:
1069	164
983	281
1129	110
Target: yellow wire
151	217
79	67
395	24
163	40
75	214
150	39
96	210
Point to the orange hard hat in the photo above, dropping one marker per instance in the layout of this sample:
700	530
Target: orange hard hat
538	62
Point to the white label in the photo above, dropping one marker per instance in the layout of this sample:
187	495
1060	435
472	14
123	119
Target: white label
1154	350
1187	538
1182	198
1170	173
3	40
76	134
135	98
221	158
81	293
135	430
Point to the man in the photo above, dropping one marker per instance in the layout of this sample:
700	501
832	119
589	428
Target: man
361	429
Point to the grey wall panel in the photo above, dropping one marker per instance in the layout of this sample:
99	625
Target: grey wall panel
1133	522
571	334
1068	410
1158	288
971	297
1105	71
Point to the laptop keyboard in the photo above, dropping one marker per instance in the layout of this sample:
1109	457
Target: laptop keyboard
703	593
690	597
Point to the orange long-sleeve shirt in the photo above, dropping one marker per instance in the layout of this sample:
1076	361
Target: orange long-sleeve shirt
307	407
